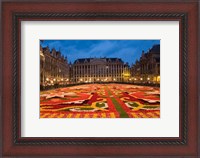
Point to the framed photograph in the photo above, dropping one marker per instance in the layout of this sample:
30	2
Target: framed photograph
110	84
100	79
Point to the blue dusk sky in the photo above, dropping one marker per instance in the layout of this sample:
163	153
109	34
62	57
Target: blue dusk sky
128	50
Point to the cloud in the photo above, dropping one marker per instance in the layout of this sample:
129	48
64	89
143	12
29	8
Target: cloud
127	54
102	48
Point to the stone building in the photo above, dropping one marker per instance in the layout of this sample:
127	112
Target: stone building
147	68
99	70
54	68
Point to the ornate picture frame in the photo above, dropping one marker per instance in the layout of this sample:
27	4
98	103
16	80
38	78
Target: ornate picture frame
184	145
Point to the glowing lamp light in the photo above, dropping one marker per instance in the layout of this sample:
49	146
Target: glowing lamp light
54	79
126	74
148	78
141	79
158	78
47	79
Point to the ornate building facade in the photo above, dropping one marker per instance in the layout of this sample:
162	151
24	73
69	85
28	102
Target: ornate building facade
54	68
147	69
99	70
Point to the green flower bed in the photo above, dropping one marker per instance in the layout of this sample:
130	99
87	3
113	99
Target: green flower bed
133	104
100	105
86	108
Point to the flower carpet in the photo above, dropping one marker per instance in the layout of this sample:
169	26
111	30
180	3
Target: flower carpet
101	101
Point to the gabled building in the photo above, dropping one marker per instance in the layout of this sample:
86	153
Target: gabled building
54	68
147	69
